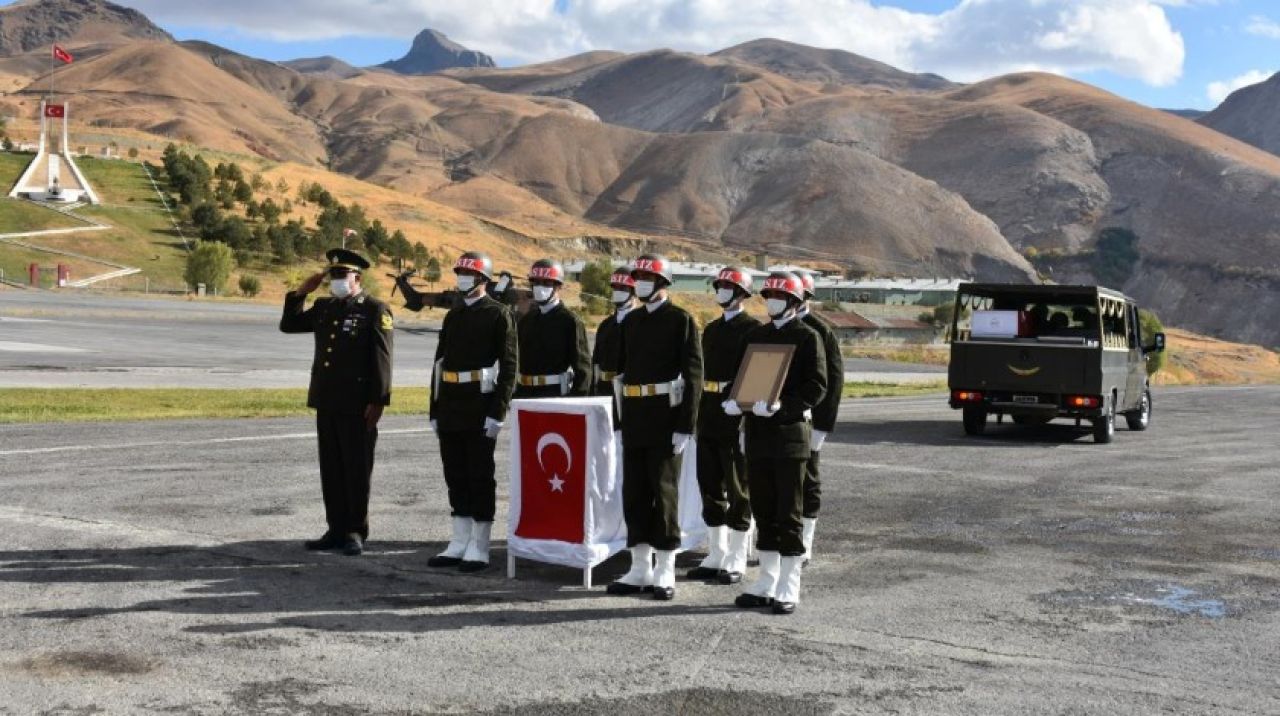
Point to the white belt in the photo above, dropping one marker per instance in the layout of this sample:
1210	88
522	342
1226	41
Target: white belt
538	380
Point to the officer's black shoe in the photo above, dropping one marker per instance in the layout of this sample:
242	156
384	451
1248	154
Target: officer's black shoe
664	594
702	573
470	567
622	589
353	546
327	541
442	561
752	601
726	577
784	607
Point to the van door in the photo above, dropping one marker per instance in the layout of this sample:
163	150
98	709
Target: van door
1137	375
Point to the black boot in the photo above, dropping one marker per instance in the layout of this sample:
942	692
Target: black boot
784	607
354	546
327	541
724	576
752	601
702	573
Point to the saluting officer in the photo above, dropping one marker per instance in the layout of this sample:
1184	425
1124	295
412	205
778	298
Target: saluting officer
824	413
350	385
474	374
607	353
777	439
555	359
661	376
722	471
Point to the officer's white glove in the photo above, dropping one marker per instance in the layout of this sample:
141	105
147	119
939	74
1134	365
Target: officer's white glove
819	438
492	428
435	428
765	410
731	408
679	441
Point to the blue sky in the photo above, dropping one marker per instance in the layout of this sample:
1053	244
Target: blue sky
1164	53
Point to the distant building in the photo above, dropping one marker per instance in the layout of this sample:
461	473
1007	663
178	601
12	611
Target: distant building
891	291
853	327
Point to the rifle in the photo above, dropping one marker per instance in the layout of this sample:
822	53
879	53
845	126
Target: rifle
416	300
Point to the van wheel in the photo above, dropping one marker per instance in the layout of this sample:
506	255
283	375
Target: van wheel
1104	428
975	421
1140	419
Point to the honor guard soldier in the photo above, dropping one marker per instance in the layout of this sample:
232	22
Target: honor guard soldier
824	413
350	385
608	349
722	470
778	448
661	381
555	359
473	376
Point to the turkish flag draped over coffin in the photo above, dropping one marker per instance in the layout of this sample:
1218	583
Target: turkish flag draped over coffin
566	499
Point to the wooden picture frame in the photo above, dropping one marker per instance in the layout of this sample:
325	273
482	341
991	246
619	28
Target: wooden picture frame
762	373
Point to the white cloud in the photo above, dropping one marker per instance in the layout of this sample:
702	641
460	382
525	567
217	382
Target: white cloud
1264	27
1218	91
974	40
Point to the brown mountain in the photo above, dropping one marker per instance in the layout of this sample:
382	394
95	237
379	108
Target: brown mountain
1251	114
34	25
432	51
810	64
327	66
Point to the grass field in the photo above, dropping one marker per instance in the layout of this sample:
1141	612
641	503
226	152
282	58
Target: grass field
891	390
18	215
11	166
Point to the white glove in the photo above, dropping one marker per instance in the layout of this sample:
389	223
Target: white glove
764	410
492	428
819	438
731	408
679	441
435	428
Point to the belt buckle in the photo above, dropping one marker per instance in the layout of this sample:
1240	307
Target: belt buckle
450	376
632	391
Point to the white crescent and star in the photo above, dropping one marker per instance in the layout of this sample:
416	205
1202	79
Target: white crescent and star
557	484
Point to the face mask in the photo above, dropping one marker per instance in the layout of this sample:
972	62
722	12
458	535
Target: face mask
621	297
724	297
542	294
502	284
776	307
340	287
645	289
466	283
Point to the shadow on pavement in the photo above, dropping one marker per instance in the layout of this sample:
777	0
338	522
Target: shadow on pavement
390	588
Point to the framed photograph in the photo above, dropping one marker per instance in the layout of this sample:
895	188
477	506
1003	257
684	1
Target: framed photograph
762	373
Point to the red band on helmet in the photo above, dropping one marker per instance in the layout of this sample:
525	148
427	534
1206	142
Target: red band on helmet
650	265
782	284
732	276
545	272
466	262
621	278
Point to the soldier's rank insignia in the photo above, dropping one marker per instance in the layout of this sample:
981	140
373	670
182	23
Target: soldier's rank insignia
387	323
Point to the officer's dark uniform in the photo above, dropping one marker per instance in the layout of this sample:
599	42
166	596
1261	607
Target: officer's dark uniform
550	344
473	338
351	371
658	347
606	358
721	464
778	446
826	412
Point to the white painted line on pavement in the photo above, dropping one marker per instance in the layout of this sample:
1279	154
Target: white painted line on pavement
18	347
210	441
10	319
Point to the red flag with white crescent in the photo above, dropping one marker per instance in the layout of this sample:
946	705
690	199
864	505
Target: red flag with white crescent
553	476
55	110
62	55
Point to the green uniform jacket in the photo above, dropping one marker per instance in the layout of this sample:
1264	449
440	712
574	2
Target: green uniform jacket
723	343
352	365
657	347
550	344
474	337
826	412
786	433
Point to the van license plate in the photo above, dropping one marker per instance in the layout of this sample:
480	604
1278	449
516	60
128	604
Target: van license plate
1026	399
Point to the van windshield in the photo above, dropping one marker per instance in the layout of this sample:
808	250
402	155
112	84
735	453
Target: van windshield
1043	318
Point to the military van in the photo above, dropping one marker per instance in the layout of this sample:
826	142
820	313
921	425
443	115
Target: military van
1040	352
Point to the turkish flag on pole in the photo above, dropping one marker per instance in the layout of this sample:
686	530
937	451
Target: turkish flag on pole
54	110
63	55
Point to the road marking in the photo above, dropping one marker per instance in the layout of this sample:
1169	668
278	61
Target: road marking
18	347
10	319
210	441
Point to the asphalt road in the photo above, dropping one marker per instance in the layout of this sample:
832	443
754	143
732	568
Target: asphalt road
52	339
155	567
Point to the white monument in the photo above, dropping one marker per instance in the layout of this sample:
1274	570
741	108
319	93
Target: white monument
43	179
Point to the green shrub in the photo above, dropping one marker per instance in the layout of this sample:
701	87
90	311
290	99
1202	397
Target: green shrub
1151	325
210	263
250	285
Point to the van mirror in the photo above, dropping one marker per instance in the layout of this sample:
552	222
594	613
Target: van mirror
1156	347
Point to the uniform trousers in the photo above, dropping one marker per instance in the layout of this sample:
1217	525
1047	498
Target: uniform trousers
468	473
777	496
812	487
722	479
650	495
346	470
